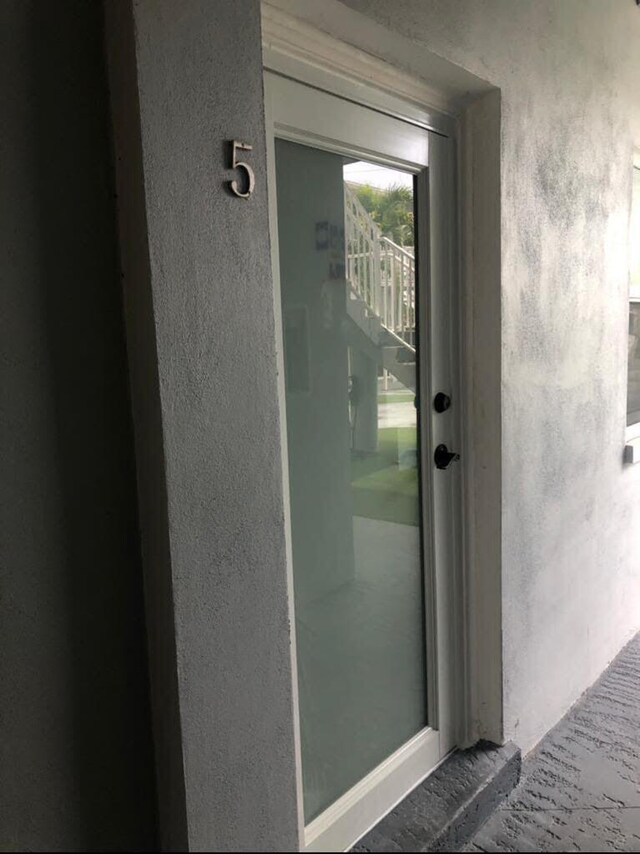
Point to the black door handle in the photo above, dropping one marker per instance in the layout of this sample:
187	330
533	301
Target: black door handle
443	457
441	402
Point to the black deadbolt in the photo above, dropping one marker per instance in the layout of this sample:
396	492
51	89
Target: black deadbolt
443	457
441	402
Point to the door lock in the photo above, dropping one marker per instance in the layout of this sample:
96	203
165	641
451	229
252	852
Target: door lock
441	402
443	457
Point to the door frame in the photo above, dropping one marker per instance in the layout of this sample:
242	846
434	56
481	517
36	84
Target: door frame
366	803
336	48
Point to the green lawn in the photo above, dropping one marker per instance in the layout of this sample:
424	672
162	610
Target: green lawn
381	489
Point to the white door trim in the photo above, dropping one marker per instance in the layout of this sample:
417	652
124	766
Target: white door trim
360	808
284	459
293	48
353	56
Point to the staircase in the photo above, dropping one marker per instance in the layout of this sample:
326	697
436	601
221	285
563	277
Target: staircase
382	292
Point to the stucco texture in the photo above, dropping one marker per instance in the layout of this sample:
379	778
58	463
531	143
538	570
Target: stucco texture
569	75
200	86
76	765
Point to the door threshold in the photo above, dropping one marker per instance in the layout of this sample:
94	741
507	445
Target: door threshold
451	804
348	819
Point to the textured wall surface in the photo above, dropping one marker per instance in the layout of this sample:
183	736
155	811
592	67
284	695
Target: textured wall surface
200	85
579	787
76	770
569	73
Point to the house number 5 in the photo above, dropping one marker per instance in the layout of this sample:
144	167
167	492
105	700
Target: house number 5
239	164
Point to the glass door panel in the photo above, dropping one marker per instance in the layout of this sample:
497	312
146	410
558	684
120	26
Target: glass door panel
349	308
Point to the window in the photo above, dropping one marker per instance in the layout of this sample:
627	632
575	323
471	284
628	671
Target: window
633	380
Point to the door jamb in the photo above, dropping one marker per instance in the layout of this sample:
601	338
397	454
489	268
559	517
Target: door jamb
294	49
302	47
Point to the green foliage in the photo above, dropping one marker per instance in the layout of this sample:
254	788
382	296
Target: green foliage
391	208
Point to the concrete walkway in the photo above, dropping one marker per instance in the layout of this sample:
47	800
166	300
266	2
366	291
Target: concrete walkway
580	788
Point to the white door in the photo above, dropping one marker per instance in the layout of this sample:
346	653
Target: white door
362	232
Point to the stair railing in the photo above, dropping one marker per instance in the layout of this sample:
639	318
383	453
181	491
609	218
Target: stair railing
379	271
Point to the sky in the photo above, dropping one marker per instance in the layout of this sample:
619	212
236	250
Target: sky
362	172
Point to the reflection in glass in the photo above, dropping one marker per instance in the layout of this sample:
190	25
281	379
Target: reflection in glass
633	379
348	287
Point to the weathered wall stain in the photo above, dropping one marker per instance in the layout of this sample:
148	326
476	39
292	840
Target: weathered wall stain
569	74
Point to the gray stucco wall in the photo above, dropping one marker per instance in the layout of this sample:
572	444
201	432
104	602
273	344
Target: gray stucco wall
76	769
199	84
569	73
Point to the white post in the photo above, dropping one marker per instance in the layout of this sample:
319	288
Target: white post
377	273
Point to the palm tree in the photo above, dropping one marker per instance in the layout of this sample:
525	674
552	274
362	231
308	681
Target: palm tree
391	208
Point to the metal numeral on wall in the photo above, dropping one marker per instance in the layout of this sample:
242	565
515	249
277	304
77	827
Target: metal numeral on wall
239	164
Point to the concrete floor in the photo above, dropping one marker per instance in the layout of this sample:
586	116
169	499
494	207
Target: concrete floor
361	667
580	788
392	414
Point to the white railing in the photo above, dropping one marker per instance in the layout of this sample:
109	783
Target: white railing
380	272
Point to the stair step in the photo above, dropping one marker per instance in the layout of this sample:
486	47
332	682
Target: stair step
445	811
